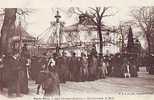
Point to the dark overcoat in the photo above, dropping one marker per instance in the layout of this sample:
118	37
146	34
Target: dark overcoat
62	68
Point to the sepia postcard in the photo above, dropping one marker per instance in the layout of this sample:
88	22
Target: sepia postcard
76	50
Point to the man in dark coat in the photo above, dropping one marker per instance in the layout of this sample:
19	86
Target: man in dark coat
62	68
13	76
74	67
24	79
133	68
35	67
117	66
24	63
92	67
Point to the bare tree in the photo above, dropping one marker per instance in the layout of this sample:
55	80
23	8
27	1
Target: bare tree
95	16
144	18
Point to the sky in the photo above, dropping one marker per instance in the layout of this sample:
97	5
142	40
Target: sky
68	3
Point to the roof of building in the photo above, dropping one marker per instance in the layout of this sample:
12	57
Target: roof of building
80	27
24	34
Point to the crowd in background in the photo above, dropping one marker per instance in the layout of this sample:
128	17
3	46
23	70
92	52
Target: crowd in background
17	68
86	67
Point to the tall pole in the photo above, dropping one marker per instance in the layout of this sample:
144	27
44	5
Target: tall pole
20	36
57	16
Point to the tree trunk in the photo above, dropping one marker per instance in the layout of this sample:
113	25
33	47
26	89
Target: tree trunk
122	37
149	44
100	39
149	48
8	28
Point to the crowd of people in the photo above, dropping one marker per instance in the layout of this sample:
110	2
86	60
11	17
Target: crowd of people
84	68
74	68
17	68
